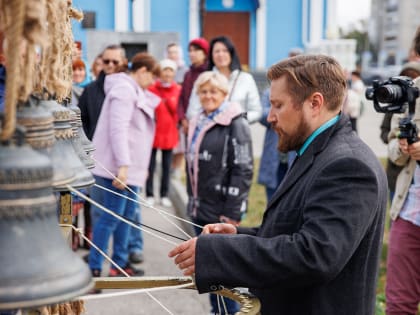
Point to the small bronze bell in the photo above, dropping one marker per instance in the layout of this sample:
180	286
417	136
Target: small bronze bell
86	143
76	125
63	149
39	134
37	266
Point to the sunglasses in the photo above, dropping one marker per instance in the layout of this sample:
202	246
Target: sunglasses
107	61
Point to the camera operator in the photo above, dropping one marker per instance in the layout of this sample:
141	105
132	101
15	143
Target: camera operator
411	70
403	264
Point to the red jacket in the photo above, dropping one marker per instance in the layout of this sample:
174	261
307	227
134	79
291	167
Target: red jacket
166	135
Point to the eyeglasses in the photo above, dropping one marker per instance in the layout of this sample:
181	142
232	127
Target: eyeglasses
107	61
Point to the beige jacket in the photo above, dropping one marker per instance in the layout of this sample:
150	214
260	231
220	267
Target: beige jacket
406	175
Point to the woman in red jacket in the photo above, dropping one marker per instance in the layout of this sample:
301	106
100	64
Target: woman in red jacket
166	136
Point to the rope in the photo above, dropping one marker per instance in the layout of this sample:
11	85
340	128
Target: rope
116	215
144	203
138	196
96	247
221	298
147	291
67	52
35	33
13	34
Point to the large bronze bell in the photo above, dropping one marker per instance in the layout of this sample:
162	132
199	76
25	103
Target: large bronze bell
63	149
37	266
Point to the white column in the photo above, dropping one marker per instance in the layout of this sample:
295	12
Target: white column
194	29
121	15
332	24
261	35
316	21
141	15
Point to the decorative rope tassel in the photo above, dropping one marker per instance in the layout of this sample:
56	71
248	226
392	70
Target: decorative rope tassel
78	307
68	308
13	34
24	28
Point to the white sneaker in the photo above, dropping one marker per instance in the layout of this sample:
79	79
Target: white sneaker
150	201
176	173
166	202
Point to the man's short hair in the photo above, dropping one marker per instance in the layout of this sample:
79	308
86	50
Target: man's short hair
115	47
308	74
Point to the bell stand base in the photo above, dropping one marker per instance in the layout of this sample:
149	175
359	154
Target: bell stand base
65	215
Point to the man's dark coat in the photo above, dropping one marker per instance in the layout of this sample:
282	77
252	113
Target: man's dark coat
90	104
318	247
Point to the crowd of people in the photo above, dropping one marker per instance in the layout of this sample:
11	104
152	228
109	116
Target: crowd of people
197	118
318	247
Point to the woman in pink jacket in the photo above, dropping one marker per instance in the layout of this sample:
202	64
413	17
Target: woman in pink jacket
123	140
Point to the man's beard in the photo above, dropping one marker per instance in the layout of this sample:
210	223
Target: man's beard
293	142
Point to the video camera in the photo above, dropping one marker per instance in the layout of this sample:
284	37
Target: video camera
393	96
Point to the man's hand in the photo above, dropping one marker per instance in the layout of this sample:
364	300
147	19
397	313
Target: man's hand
185	256
412	149
219	228
121	181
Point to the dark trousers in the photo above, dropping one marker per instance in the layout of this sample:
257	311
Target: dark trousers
354	124
166	167
403	269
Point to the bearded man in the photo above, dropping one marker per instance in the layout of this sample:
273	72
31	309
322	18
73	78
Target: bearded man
317	250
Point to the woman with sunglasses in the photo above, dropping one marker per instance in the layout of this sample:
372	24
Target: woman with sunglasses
90	102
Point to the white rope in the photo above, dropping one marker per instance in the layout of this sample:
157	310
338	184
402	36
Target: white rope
220	297
138	196
147	291
81	195
142	202
96	247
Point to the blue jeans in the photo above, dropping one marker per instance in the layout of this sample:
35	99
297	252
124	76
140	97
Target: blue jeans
231	306
135	239
107	225
97	194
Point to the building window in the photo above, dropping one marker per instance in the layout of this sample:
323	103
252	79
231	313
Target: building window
133	48
89	19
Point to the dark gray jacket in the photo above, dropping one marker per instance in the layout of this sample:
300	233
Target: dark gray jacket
90	104
317	250
220	176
